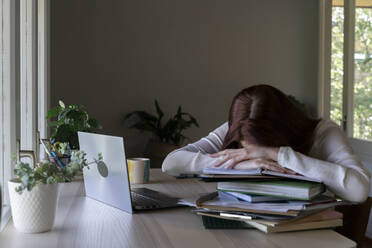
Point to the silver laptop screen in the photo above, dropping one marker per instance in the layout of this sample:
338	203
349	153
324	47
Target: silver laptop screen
106	182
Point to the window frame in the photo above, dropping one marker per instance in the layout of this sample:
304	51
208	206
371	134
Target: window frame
23	76
28	72
44	90
9	98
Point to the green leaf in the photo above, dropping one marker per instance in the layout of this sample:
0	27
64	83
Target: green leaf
193	120
66	133
24	179
144	116
94	123
144	127
53	112
19	189
53	123
29	187
50	180
62	115
158	110
61	104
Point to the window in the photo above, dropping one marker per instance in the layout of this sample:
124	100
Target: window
351	67
337	63
362	128
23	83
8	82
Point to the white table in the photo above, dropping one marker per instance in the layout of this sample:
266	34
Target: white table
83	222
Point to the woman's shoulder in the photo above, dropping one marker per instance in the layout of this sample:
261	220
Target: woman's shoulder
325	126
329	135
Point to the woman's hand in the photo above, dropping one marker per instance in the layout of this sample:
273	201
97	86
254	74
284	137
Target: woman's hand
248	152
260	163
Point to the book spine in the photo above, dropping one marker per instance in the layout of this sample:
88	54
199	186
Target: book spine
272	194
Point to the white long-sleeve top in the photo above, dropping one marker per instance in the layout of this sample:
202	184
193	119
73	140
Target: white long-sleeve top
330	160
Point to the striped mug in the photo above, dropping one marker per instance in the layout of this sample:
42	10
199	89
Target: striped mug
139	170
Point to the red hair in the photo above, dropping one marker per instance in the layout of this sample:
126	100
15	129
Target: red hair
263	115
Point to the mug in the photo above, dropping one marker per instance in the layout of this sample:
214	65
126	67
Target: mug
139	170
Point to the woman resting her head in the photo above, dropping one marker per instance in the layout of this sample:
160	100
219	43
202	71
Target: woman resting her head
267	130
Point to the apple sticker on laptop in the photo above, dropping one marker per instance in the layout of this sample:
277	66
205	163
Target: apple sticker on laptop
102	169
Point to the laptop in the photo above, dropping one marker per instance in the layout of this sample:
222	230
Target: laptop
108	181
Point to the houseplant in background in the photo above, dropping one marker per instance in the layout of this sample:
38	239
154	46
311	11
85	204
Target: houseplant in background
166	137
67	121
33	193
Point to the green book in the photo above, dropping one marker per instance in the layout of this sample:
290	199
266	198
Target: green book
216	223
288	189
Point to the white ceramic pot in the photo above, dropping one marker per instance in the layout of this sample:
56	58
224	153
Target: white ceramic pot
33	211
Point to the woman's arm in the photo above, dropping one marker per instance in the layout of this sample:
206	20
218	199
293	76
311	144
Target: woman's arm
336	165
193	158
331	161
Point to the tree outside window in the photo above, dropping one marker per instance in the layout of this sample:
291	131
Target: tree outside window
363	70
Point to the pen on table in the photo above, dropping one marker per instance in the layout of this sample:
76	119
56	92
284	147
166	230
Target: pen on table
56	158
45	148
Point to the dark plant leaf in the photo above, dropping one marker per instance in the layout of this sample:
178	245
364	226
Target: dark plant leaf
144	127
194	121
76	116
171	132
144	116
94	123
52	123
63	133
53	112
158	109
63	113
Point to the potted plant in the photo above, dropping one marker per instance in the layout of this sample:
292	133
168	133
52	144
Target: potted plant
166	137
33	193
67	121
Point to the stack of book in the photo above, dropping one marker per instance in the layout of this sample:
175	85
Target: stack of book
267	201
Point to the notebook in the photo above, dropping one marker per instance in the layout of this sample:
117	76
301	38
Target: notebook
254	198
210	222
255	173
289	189
297	227
325	219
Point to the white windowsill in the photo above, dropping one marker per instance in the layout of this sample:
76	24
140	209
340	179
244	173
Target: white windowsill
5	217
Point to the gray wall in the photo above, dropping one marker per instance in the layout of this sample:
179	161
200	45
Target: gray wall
118	56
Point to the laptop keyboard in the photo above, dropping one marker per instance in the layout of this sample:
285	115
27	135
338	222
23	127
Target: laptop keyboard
144	198
140	200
